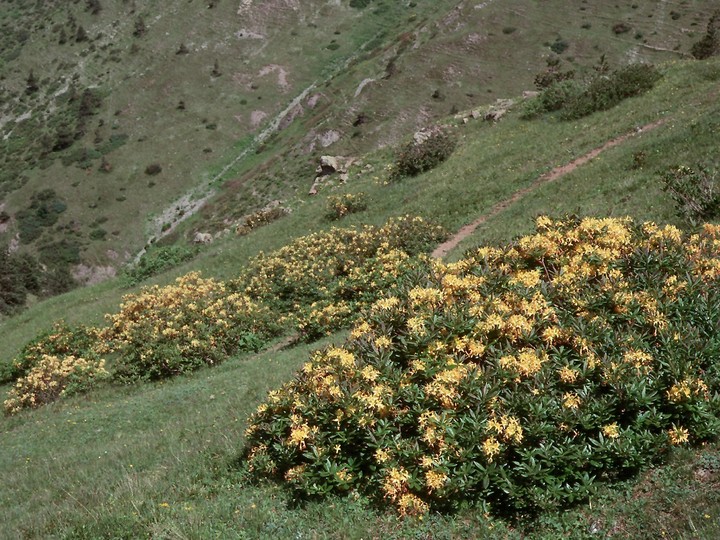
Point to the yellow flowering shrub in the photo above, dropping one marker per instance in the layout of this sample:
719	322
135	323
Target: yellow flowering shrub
518	377
318	283
324	279
52	377
165	331
339	206
61	340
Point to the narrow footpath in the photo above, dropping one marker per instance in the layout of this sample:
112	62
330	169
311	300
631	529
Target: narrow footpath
558	172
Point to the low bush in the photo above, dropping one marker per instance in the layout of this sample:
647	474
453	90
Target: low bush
260	218
165	331
44	211
60	341
515	379
709	44
696	192
153	169
53	377
575	99
424	154
340	267
552	98
158	259
604	92
339	206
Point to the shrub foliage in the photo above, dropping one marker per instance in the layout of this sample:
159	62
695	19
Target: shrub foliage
419	156
339	206
322	280
317	284
575	99
695	191
165	331
516	378
60	341
52	377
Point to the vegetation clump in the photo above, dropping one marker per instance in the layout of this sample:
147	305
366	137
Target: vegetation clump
603	90
322	280
339	206
158	259
695	191
165	331
20	275
423	153
60	341
709	44
262	217
515	379
53	377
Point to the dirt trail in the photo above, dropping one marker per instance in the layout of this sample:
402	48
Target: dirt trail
558	172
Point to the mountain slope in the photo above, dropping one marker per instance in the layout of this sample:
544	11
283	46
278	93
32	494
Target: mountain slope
136	114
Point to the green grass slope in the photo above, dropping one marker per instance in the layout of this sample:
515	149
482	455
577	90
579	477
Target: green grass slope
160	460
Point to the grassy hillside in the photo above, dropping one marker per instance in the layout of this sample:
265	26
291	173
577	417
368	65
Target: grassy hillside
161	459
133	113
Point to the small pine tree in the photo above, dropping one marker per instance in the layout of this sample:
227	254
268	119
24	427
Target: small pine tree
80	35
140	28
182	49
31	85
709	45
62	40
216	69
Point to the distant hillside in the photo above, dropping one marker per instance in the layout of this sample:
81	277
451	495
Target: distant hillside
119	120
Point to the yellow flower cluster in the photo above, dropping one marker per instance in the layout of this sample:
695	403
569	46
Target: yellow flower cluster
687	389
166	330
324	279
542	360
52	377
260	218
339	206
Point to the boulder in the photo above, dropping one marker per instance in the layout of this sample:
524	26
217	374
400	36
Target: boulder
202	238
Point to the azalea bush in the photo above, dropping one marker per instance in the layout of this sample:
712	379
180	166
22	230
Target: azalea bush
339	206
52	377
61	340
165	331
516	379
323	279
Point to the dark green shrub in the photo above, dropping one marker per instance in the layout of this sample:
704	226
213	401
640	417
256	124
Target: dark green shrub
552	98
153	169
606	91
20	274
551	76
421	155
44	210
559	46
696	192
709	44
359	4
158	259
621	28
